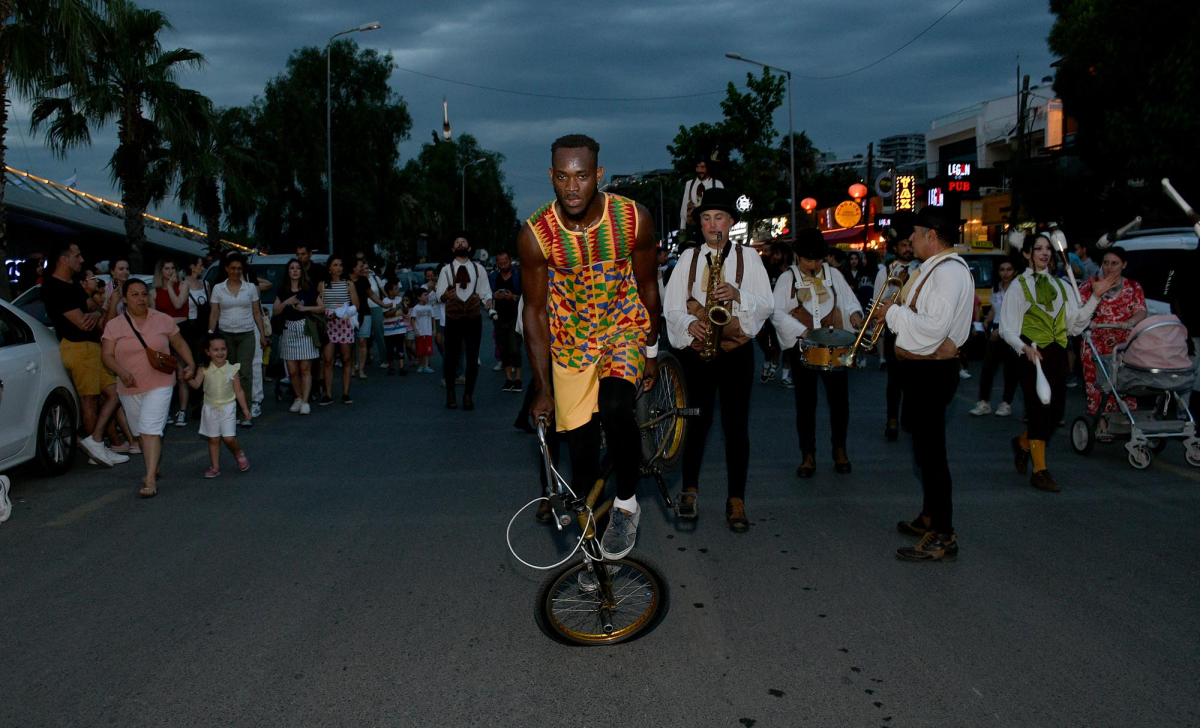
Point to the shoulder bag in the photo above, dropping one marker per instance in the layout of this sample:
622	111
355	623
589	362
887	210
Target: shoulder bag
164	363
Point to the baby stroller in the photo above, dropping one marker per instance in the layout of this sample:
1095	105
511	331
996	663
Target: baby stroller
1154	362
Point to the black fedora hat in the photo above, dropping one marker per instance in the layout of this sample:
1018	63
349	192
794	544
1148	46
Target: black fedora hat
810	244
718	198
937	217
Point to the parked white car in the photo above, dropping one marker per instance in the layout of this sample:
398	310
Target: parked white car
39	412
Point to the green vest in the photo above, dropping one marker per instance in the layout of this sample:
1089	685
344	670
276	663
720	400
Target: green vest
1037	326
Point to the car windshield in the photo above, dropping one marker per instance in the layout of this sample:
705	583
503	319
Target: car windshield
983	268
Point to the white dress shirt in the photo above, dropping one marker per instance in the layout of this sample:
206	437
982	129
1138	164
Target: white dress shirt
1014	307
751	313
691	193
945	306
787	328
479	283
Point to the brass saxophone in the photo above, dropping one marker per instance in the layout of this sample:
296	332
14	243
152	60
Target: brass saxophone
718	315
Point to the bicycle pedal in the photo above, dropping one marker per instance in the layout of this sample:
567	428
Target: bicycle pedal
688	509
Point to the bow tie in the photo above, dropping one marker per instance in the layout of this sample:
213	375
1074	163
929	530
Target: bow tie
1043	291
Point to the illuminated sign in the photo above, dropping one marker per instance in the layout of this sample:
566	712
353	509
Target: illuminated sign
779	226
958	185
958	170
743	204
906	192
847	214
936	198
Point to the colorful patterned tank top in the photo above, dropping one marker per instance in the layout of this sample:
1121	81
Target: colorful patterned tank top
595	311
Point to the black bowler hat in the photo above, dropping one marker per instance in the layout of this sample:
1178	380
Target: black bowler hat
718	198
810	244
901	227
937	217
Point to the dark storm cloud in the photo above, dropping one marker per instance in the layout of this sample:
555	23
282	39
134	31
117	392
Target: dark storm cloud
615	49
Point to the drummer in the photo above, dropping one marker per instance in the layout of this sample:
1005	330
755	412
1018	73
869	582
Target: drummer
807	293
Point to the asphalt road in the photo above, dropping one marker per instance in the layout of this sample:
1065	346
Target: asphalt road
358	575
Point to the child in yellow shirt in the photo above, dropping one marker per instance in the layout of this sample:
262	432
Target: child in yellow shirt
223	394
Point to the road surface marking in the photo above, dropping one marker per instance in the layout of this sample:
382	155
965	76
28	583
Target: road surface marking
89	507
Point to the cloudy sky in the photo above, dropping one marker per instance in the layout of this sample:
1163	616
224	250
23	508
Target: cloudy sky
610	49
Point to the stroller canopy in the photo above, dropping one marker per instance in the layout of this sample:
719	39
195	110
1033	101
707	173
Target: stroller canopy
1158	342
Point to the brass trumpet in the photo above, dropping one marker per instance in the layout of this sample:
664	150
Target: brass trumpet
850	358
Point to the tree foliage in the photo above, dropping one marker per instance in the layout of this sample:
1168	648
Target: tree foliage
742	144
432	202
1131	85
288	132
130	80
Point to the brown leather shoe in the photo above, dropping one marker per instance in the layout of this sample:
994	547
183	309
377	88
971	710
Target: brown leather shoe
735	515
891	430
1043	480
451	402
841	461
808	467
468	403
933	547
1020	456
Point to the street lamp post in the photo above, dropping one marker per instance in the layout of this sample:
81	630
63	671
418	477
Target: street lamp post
791	137
374	25
464	189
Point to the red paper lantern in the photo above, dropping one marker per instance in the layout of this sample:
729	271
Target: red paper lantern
809	204
858	191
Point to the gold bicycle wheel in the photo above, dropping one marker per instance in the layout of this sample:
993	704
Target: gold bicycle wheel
570	607
662	428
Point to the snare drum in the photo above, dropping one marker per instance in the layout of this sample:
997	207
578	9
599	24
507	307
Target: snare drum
823	348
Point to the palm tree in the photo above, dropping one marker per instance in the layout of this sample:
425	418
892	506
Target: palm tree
218	170
128	79
38	39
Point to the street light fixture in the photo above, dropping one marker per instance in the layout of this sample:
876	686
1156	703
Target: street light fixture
464	189
791	136
373	25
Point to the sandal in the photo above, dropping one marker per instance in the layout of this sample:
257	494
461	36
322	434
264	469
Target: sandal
243	462
147	491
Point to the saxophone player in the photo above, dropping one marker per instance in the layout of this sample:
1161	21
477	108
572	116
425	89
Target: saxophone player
809	295
745	292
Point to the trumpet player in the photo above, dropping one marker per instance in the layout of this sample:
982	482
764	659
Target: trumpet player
811	295
931	323
899	235
717	360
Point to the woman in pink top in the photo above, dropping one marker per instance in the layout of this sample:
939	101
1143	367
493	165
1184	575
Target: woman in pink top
145	392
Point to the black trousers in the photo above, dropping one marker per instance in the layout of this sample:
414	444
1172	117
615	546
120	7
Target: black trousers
997	354
619	423
730	375
895	388
508	341
462	334
929	387
837	394
1044	418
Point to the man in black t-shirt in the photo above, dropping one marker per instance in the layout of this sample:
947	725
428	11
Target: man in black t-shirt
315	271
506	293
78	326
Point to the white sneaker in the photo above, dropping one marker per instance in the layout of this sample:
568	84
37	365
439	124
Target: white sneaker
498	367
304	408
256	410
296	405
1004	410
787	383
964	374
5	503
97	451
116	457
982	408
180	419
383	365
